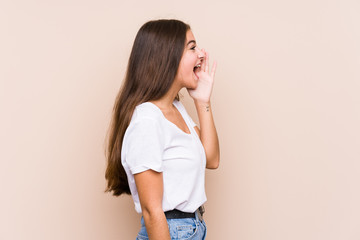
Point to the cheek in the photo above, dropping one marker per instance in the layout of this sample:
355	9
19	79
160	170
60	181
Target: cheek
187	63
189	60
190	65
185	68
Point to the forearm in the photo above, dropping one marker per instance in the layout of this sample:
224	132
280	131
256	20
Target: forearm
156	225
208	134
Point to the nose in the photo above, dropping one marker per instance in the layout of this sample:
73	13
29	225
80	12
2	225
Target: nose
200	53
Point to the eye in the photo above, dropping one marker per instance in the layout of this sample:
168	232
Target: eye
193	47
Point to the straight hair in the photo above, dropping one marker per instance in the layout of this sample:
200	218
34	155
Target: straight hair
151	71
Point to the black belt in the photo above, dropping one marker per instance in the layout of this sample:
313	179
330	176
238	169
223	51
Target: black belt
179	214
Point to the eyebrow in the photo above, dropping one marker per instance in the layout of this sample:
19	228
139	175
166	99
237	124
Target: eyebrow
191	41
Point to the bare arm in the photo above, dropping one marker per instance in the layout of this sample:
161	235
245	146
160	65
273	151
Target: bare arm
201	96
150	188
208	134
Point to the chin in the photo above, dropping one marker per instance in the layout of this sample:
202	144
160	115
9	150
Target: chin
191	84
193	87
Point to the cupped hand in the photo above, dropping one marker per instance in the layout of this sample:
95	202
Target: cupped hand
203	90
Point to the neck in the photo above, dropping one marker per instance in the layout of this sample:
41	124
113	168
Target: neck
165	103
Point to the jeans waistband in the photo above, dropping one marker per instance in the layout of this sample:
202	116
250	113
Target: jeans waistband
173	214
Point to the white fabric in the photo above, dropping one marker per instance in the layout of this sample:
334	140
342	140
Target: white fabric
153	142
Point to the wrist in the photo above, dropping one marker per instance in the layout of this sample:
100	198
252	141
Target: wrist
201	105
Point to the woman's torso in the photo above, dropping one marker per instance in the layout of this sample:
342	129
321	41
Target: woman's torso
154	142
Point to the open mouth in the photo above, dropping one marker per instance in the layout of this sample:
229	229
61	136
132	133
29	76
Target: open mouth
196	70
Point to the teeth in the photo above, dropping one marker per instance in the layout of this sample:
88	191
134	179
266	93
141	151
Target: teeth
199	65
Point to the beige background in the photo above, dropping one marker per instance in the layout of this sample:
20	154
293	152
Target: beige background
286	105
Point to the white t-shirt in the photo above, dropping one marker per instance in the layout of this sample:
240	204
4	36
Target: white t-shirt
153	142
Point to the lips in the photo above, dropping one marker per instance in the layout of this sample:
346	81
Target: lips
197	69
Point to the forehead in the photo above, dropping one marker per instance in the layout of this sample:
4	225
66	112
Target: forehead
189	36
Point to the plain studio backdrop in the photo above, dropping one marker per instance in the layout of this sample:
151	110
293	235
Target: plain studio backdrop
285	102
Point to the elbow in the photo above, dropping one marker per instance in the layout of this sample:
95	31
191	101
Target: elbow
213	164
152	215
151	211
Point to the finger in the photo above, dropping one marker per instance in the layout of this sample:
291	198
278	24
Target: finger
213	69
203	62
206	62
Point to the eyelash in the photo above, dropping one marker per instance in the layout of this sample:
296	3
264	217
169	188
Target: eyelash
193	48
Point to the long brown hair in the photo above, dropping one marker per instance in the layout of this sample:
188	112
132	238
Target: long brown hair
151	70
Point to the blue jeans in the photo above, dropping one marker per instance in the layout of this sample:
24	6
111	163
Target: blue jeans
180	229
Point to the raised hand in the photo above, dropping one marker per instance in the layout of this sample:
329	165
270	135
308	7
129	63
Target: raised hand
203	90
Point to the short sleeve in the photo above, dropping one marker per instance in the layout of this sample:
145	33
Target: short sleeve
144	146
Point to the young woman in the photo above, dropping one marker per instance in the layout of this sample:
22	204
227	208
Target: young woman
155	151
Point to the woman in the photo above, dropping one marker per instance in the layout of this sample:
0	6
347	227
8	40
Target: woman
155	151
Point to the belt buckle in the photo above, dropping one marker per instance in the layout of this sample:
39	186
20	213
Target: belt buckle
200	212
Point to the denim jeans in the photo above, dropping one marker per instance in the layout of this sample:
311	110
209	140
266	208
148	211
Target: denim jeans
180	229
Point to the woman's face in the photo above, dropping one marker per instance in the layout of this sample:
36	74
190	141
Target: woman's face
190	63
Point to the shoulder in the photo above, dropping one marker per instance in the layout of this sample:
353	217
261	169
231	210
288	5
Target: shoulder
146	111
145	128
146	120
